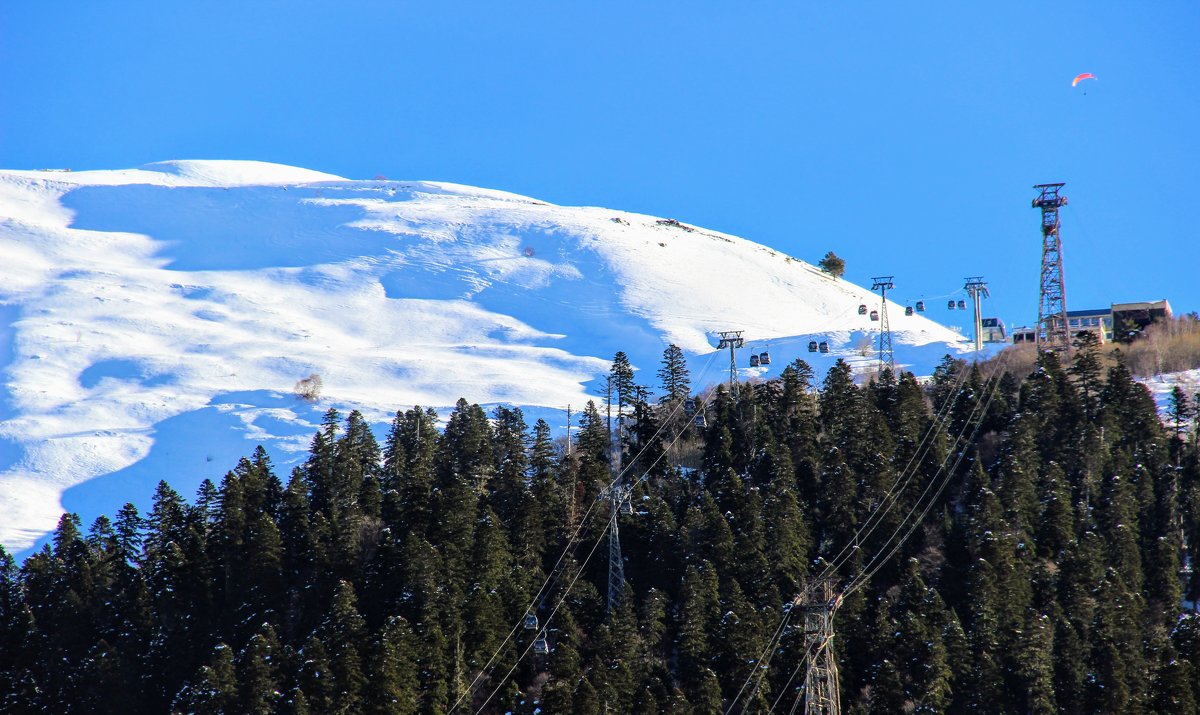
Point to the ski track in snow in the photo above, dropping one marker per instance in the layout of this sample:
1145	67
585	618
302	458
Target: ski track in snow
155	319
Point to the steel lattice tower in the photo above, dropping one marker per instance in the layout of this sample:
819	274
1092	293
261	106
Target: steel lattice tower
616	566
732	339
1052	332
886	359
822	692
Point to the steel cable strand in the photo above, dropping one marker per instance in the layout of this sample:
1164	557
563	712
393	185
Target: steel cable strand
562	599
864	575
899	485
934	428
552	576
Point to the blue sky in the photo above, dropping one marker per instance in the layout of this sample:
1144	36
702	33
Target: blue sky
903	136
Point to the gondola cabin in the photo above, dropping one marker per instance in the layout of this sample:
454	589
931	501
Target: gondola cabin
541	646
962	305
812	346
531	622
689	406
626	507
753	361
908	310
764	359
920	306
699	420
950	304
874	315
862	309
824	346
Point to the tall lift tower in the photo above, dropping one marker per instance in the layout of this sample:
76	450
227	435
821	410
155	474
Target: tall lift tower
886	359
732	339
976	287
822	692
1052	332
618	503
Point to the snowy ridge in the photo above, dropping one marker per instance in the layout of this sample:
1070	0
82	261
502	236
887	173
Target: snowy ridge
154	320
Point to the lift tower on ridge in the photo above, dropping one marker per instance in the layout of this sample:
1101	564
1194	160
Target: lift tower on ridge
732	339
886	359
1052	332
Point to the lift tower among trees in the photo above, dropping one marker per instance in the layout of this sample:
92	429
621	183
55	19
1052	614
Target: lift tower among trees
732	339
886	359
1052	333
822	692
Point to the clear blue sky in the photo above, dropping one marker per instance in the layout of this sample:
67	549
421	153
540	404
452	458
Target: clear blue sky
903	136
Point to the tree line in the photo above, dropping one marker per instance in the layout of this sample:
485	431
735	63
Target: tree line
1051	574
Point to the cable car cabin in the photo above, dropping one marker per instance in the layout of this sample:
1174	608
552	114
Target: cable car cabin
753	361
862	308
962	305
541	646
874	315
950	304
764	359
689	406
626	507
531	623
812	346
908	310
920	306
824	346
699	420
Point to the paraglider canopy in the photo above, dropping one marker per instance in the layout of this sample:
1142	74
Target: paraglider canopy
1080	78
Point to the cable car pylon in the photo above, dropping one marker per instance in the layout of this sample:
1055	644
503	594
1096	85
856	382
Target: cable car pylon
732	339
886	359
976	287
822	692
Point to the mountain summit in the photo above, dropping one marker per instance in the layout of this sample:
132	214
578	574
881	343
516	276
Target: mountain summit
153	321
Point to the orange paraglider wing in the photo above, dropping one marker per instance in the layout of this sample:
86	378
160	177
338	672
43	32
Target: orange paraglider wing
1080	78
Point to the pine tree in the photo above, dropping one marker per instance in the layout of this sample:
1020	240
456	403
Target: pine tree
1179	411
674	376
213	690
343	633
394	683
258	673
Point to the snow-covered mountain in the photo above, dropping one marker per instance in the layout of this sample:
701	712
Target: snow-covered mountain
153	321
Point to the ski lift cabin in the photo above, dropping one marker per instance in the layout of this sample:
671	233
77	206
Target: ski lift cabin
699	420
874	315
920	306
824	346
962	305
812	346
754	361
541	646
764	358
862	308
531	623
908	310
689	406
950	304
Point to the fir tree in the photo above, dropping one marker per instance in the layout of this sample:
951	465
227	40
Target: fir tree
674	376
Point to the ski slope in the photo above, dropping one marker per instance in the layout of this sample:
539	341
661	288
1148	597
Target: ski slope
154	321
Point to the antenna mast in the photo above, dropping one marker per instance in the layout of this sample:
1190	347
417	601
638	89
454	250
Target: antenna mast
1052	333
886	359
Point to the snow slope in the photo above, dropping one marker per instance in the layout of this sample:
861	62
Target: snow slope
153	321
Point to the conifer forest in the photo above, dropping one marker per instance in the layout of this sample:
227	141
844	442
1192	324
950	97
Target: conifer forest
1001	543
